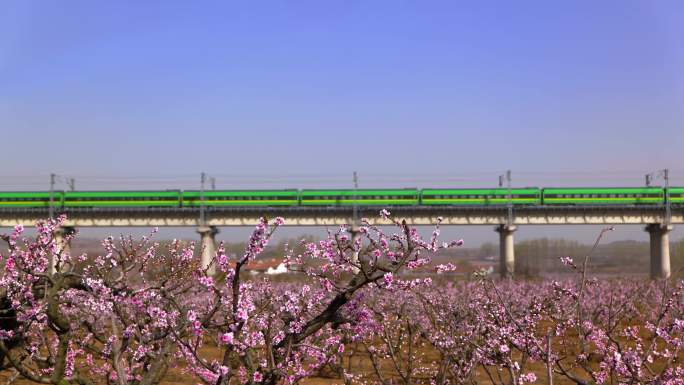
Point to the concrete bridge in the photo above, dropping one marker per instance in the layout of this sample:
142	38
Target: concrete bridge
654	218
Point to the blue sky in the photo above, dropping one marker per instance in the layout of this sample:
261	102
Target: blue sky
287	94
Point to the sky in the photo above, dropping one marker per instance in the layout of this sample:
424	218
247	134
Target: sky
129	94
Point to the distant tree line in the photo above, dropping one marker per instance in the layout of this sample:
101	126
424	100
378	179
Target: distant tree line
541	256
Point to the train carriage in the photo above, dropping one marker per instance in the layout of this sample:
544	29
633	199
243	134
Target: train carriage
481	197
166	198
360	197
677	195
28	199
241	198
344	197
604	196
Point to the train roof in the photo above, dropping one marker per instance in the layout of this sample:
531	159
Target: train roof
606	189
239	192
121	192
399	191
28	193
471	189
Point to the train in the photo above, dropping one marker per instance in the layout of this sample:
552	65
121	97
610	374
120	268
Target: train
473	197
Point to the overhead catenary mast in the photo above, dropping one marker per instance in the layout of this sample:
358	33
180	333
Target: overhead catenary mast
54	178
665	175
355	208
509	197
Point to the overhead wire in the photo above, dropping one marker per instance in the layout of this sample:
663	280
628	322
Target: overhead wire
338	179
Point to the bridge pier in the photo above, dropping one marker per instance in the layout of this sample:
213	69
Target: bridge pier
660	250
506	250
208	247
63	244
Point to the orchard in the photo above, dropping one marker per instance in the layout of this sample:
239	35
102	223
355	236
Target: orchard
142	313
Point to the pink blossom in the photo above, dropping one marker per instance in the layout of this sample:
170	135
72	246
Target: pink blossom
388	278
258	377
226	338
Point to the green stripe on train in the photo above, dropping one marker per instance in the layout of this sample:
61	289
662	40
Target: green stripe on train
122	194
241	193
604	190
603	200
484	192
366	202
263	202
122	203
481	201
360	192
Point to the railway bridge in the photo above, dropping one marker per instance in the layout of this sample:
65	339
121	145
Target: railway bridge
656	219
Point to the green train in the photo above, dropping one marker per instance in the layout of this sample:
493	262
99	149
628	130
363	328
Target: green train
481	197
238	198
471	197
365	197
